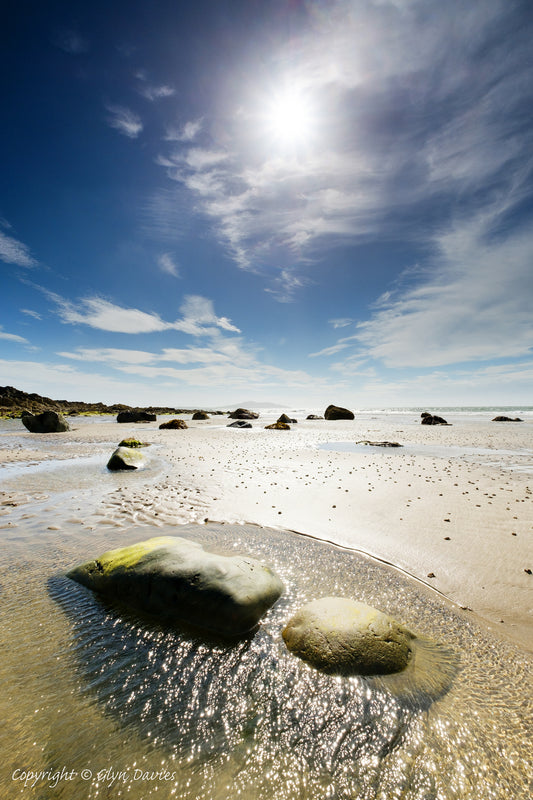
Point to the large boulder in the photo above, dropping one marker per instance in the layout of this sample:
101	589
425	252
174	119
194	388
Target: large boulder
432	419
342	636
240	423
336	412
135	415
177	580
47	422
200	415
126	458
174	424
243	413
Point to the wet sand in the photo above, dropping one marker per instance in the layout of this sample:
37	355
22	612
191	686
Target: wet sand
453	507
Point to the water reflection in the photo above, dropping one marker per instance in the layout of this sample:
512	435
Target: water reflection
250	719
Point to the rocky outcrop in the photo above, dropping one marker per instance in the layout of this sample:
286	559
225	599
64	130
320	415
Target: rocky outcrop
239	423
126	458
313	416
432	419
337	412
285	418
177	580
200	415
507	419
136	415
243	413
278	426
342	636
47	422
173	424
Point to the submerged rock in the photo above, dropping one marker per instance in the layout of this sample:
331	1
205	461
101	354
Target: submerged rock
337	412
379	444
339	635
47	422
176	579
174	424
240	423
126	458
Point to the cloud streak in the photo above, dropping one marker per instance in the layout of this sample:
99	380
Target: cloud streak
12	251
125	121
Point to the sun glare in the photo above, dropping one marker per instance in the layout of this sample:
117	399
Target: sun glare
290	117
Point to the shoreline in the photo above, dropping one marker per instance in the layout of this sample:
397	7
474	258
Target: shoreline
467	524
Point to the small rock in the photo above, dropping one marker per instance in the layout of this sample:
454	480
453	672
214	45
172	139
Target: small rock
174	424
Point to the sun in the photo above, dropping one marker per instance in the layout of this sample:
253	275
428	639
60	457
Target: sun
289	117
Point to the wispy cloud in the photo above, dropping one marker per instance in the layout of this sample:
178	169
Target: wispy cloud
167	264
198	316
403	131
12	337
153	91
341	323
14	252
30	313
184	133
125	121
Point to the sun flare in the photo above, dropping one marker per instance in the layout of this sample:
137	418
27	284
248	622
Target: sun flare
290	117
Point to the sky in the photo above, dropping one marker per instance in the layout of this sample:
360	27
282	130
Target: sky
293	202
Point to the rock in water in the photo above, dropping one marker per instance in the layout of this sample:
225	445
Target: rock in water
126	458
176	579
336	412
342	636
47	422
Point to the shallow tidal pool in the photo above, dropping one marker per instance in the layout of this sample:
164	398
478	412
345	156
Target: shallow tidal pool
99	703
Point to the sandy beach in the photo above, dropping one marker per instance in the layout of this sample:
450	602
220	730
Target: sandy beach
453	507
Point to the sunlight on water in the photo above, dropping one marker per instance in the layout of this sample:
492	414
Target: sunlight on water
152	712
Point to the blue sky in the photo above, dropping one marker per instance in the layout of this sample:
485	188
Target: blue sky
304	202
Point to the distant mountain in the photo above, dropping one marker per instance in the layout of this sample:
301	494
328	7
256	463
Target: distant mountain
256	404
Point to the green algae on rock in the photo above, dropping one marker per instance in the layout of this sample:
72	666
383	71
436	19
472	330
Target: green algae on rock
126	458
339	635
132	442
175	579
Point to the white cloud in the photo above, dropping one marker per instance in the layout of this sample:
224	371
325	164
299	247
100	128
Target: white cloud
476	305
12	337
341	322
14	252
30	313
156	92
127	122
186	133
166	264
198	316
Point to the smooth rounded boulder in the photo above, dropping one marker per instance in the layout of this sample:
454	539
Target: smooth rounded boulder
174	425
126	458
243	413
47	422
342	636
175	579
337	412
